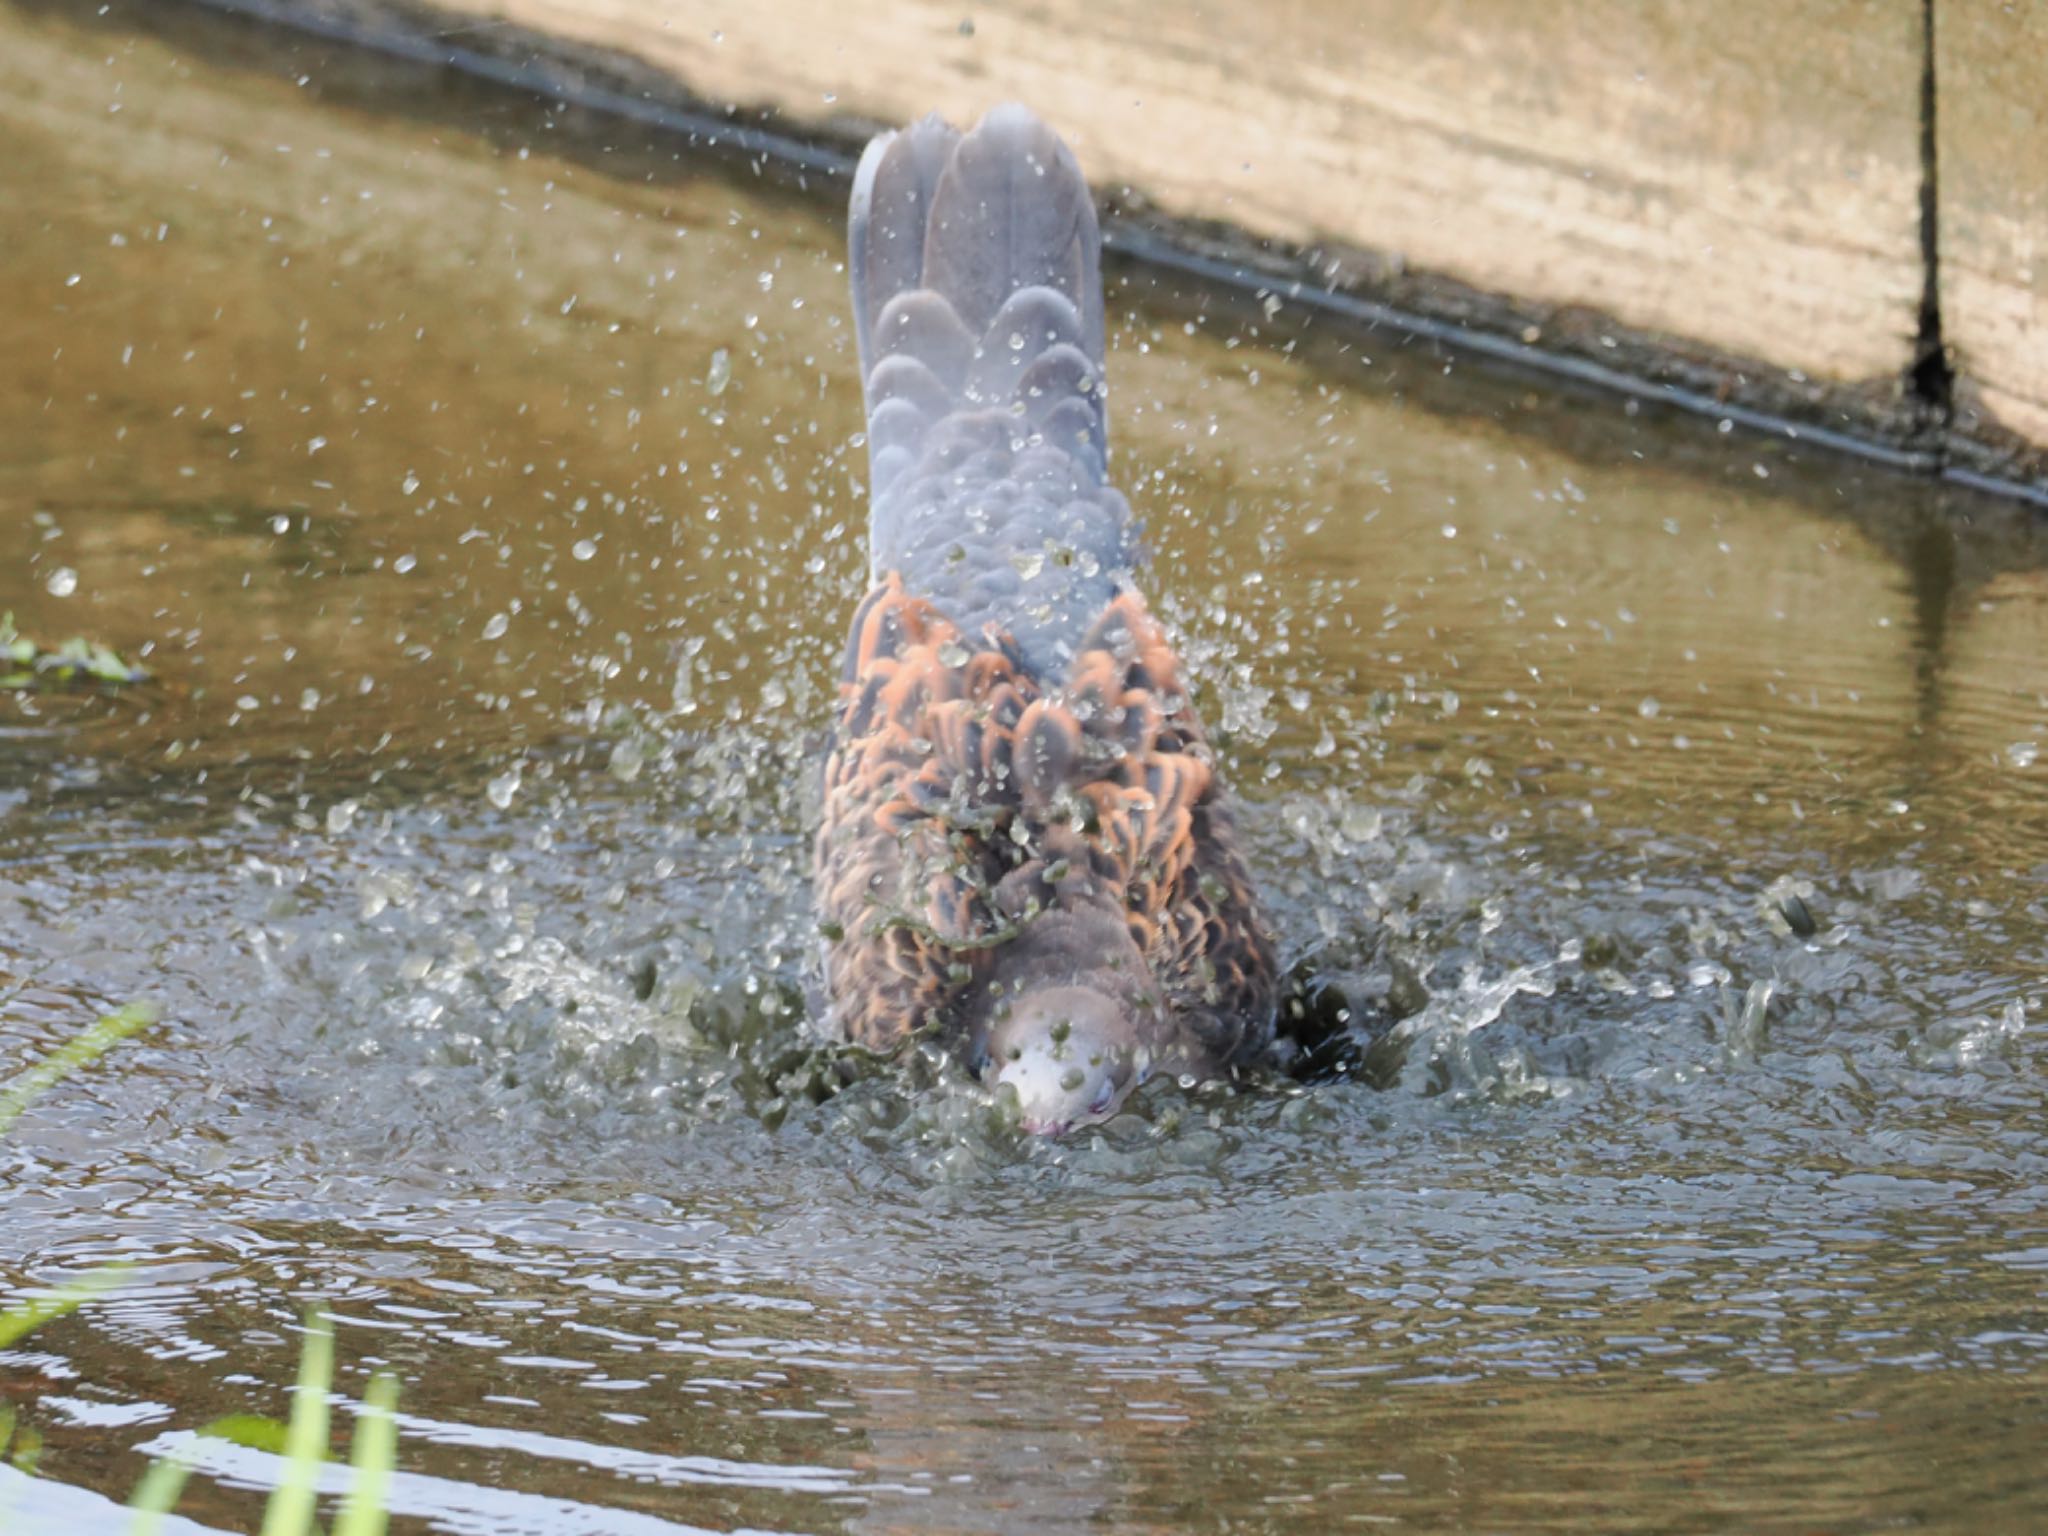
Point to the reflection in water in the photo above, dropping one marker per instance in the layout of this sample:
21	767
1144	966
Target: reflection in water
461	842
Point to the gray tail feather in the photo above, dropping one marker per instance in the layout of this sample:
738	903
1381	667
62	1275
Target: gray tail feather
977	295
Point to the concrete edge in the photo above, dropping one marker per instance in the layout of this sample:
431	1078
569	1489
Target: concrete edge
1887	421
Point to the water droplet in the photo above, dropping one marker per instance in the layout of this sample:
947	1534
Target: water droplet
63	582
584	549
766	280
953	654
1649	709
280	524
496	625
309	699
403	564
501	789
626	761
1029	563
340	816
1359	823
2022	754
719	374
248	701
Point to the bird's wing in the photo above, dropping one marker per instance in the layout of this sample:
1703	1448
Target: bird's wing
1167	835
915	819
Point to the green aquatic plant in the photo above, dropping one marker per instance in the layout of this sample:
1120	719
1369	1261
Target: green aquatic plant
303	1444
75	1054
22	1450
24	1317
26	664
21	1444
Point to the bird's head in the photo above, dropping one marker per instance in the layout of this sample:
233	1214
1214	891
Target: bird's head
1071	1054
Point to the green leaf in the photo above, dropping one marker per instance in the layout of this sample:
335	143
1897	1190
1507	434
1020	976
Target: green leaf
25	664
375	1451
24	1317
157	1495
28	1449
257	1431
290	1511
303	1445
81	1050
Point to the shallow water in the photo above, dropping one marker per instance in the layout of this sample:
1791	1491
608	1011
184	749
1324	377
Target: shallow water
461	842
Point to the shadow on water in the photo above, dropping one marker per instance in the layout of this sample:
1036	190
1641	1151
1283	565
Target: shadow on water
1655	812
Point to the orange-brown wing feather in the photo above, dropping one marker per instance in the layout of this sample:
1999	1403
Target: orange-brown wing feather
907	851
961	799
1190	901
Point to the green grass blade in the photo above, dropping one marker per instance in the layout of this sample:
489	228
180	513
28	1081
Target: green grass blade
290	1511
80	1051
28	1449
157	1494
375	1451
18	1320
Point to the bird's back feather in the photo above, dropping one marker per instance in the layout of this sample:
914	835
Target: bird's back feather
978	309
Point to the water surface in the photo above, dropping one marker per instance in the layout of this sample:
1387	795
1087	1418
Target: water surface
461	841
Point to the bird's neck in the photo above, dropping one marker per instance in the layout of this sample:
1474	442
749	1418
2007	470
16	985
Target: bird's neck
1088	947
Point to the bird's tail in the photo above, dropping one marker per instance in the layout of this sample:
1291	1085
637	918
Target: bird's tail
977	295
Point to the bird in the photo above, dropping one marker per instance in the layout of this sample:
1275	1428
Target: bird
1025	849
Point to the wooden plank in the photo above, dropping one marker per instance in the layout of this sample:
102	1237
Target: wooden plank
1992	150
1744	176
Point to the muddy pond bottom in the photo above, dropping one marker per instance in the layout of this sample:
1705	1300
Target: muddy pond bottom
1662	807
